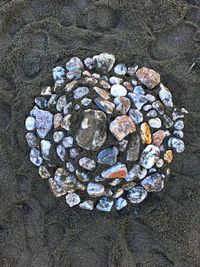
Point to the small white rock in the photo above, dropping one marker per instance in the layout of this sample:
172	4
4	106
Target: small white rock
118	90
155	123
30	123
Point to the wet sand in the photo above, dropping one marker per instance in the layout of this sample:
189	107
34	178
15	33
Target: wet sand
35	228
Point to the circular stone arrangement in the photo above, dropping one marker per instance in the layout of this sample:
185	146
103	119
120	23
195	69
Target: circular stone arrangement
105	134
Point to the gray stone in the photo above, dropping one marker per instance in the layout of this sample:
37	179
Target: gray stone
104	62
150	156
58	73
31	139
165	96
133	148
89	63
87	163
105	204
137	194
44	122
87	205
58	136
120	203
136	115
74	64
153	183
60	150
45	148
80	92
72	199
68	141
35	157
138	100
95	189
120	69
104	105
108	155
123	104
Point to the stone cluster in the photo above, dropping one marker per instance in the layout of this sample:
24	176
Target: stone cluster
105	133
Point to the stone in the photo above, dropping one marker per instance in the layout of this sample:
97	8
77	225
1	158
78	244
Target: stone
99	178
35	157
148	77
158	137
152	113
160	163
30	123
52	101
34	111
43	172
177	144
133	148
134	82
83	177
155	123
150	156
120	69
86	101
41	102
115	182
80	186
153	183
72	199
74	64
123	104
132	70
73	153
104	62
118	90
165	96
77	107
61	104
117	171
57	119
95	189
136	115
45	148
150	98
80	92
94	135
142	173
137	194
104	105
58	73
128	86
123	144
65	180
179	113
105	84
105	204
70	86
102	93
168	156
60	150
179	125
46	91
118	193
87	163
108	156
168	123
122	126
139	90
89	63
67	141
178	134
158	106
128	186
145	133
138	100
58	136
120	203
147	107
44	122
66	123
87	205
70	167
133	173
59	84
56	190
115	80
31	139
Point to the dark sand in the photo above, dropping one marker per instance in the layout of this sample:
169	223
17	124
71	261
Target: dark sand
35	228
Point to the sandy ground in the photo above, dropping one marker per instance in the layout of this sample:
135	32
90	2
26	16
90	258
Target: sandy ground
35	228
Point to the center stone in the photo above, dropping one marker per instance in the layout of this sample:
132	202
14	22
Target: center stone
92	131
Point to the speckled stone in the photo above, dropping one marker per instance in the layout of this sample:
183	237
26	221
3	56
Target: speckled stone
120	69
105	105
116	171
44	122
72	199
108	155
123	104
137	194
31	139
105	204
87	163
148	77
43	172
150	156
104	62
95	189
80	92
153	183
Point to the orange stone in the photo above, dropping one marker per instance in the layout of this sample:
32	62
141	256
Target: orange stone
158	137
103	93
168	156
145	133
148	77
116	171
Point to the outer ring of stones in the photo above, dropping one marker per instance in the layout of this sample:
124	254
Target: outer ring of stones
128	129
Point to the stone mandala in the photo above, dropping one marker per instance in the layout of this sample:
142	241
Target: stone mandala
104	134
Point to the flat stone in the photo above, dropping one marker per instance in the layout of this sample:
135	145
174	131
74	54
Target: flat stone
153	183
58	73
177	144
57	119
103	93
116	171
82	176
115	80
31	139
104	62
87	163
105	204
80	92
165	96
108	156
94	135
123	104
136	115
148	77
56	189
95	189
87	205
120	69
118	193
133	148
30	123
60	150
118	90
158	106
86	101
74	64
70	86
152	113
138	100
136	194
58	136
150	98
122	126
105	84
35	157
120	203
70	167
150	156
43	172
158	137
139	90
104	105
61	103
45	148
44	122
66	123
147	107
68	141
72	199
73	153
168	156
155	123
145	133
133	173
89	63
179	125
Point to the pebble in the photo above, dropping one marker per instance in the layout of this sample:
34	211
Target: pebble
137	194
158	137
168	123
65	180
145	133
56	190
155	123
147	107
120	69
66	123
95	189
153	183
160	163
120	203
35	157
70	86
86	101
44	122
123	144
52	101
83	177
118	193
179	113
80	92
136	115
133	148
67	141
58	136
118	90
177	144
116	171
46	91
61	103
103	93
34	111
104	62
73	153
168	156
87	205
148	77
105	84
150	98
41	102
87	163
158	106
72	199
150	156
80	186
70	167
139	90
108	155
30	123
115	80
123	104
57	119
178	134
77	107
128	86
99	178
165	96
89	63
43	172
132	70
31	139
138	100
58	73
122	126
60	150
133	173
105	204
59	84
115	182
179	125
152	113
74	64
142	173
128	186
45	148
104	105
